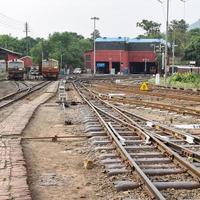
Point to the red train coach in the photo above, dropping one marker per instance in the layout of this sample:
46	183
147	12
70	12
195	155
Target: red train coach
185	69
50	69
16	69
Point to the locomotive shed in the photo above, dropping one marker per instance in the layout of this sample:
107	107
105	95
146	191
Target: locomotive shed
96	147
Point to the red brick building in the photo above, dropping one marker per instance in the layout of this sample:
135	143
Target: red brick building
124	55
7	55
28	61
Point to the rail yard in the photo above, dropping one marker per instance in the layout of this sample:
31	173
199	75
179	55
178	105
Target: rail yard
98	138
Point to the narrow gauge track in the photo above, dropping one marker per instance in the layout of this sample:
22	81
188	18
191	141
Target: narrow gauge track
159	168
155	92
185	144
21	93
175	89
147	104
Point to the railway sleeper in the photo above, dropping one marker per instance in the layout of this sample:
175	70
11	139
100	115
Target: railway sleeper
176	185
90	124
152	160
108	155
127	137
114	166
162	172
111	161
98	138
114	172
105	148
96	133
157	166
140	148
102	143
92	128
133	142
147	155
125	185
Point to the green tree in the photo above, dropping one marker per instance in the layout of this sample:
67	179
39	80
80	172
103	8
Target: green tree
152	29
23	45
96	33
9	42
192	51
178	34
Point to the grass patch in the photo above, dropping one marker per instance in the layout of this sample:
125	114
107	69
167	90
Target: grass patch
183	80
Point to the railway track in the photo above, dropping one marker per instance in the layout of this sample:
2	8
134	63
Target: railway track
148	104
185	144
21	93
159	168
163	93
161	106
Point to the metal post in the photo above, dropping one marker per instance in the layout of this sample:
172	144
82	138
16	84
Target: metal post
27	31
166	41
61	61
173	58
94	38
145	64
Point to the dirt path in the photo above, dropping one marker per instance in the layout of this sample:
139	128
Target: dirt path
56	170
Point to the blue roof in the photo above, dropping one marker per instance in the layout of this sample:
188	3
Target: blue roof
146	40
129	40
107	39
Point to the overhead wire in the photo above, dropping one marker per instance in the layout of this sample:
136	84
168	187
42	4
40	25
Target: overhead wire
10	23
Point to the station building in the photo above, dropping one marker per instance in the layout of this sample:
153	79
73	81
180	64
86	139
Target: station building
125	55
28	62
5	56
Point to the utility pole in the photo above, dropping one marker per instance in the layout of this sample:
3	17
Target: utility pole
27	31
94	37
173	58
166	41
145	65
166	37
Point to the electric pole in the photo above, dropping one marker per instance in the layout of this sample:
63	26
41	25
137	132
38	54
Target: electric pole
27	31
173	57
94	38
166	41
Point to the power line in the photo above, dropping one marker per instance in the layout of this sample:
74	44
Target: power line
8	25
11	19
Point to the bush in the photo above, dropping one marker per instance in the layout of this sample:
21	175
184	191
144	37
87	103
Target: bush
189	77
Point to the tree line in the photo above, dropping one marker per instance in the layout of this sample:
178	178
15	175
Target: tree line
187	41
69	46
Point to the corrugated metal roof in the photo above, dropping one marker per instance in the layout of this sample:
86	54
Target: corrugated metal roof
108	39
129	40
146	40
3	50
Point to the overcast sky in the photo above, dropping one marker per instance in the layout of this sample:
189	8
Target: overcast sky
117	17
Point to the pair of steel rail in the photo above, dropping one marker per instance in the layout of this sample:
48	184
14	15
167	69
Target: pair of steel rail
21	93
147	137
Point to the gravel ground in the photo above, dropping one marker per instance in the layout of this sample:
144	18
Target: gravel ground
7	87
56	169
5	112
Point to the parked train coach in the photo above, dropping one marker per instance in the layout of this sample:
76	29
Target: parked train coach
16	69
50	69
184	69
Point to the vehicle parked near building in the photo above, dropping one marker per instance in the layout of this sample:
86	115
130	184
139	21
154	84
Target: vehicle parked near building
50	69
77	71
16	69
